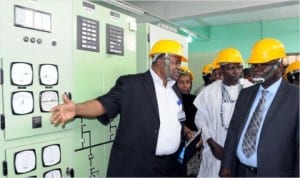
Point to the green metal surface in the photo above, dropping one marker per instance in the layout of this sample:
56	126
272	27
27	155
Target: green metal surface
85	143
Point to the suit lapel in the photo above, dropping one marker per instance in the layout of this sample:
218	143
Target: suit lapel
275	105
149	88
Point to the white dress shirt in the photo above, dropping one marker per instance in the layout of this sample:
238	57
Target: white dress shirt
169	105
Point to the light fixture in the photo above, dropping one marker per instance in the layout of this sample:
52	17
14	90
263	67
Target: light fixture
133	9
189	38
125	6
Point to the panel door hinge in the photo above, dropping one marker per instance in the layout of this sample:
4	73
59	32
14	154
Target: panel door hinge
4	168
148	37
1	76
2	121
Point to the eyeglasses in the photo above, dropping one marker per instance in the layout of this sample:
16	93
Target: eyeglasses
263	65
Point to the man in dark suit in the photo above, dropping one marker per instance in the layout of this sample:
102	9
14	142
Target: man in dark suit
150	107
270	147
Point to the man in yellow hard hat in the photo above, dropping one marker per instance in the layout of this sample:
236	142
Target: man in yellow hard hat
292	73
151	115
215	104
216	71
206	76
247	74
263	136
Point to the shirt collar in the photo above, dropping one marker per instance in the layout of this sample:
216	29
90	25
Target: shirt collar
158	80
272	88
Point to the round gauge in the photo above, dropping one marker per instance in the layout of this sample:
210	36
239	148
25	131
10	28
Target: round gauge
48	74
48	99
51	155
53	173
22	102
21	74
25	161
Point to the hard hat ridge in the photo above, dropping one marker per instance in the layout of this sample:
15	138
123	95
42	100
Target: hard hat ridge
168	46
266	50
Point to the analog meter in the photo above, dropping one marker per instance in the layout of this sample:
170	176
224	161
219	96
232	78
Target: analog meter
53	173
48	99
22	102
21	74
25	161
51	155
48	74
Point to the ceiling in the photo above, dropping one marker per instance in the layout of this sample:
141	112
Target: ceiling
201	13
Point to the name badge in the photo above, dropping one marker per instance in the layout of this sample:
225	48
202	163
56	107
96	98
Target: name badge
181	116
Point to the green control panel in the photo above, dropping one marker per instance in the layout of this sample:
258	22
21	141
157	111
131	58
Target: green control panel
48	48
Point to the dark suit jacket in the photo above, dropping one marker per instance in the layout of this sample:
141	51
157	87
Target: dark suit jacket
278	148
190	111
133	150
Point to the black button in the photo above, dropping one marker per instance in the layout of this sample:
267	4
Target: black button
54	43
32	40
39	41
36	122
26	39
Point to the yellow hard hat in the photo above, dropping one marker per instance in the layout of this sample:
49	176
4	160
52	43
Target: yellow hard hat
266	50
215	65
293	68
168	46
207	69
229	55
184	70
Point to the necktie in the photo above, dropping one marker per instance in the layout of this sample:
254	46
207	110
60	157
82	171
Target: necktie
249	141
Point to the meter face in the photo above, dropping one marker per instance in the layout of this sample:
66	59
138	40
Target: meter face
21	74
48	99
53	173
25	161
22	102
48	74
51	155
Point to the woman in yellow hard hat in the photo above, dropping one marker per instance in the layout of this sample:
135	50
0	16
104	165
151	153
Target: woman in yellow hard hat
185	79
184	84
